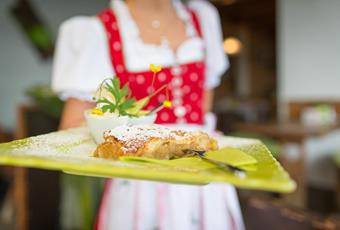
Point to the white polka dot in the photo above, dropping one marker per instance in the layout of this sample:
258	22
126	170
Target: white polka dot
161	98
193	77
176	81
186	89
193	96
177	101
140	79
116	46
177	93
120	68
176	70
164	116
161	77
180	111
114	26
194	116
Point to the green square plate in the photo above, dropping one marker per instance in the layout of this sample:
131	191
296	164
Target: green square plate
71	150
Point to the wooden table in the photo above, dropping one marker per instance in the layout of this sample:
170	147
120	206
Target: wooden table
291	132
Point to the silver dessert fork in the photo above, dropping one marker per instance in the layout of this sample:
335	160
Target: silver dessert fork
201	153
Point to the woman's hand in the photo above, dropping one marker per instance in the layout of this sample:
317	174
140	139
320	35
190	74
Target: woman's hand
73	114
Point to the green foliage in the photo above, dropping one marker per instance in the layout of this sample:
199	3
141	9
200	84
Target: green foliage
138	106
46	100
120	100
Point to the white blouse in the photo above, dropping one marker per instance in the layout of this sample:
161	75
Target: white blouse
82	58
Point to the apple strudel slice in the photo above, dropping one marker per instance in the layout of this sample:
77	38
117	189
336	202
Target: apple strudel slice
154	141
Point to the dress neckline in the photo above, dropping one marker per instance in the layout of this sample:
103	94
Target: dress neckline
121	9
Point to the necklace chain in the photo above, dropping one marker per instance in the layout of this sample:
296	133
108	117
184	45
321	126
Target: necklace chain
162	28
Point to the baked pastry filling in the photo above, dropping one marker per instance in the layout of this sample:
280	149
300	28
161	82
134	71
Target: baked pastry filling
154	141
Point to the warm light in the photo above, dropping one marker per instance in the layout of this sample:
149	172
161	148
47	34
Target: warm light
232	45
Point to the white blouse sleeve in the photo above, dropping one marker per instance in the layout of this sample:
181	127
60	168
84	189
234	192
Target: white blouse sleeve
81	60
216	60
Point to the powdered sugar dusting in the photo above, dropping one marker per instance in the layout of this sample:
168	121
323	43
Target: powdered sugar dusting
134	136
54	144
141	132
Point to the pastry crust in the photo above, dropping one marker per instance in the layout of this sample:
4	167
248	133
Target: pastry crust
154	141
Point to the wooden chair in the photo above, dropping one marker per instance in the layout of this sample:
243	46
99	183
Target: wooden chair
295	108
296	167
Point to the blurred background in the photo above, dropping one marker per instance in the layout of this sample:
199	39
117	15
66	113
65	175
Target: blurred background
282	87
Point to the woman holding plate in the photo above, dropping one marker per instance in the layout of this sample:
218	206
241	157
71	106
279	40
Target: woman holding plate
122	41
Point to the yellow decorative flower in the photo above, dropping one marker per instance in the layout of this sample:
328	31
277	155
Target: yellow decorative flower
155	69
167	104
96	111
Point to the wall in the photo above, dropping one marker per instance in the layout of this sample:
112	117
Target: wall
309	49
20	65
308	69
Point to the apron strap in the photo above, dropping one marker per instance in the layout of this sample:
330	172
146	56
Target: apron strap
109	20
196	22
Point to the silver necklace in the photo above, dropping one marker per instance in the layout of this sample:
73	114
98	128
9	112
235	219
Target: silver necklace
155	24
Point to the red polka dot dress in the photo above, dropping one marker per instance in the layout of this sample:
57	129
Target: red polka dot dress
185	81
